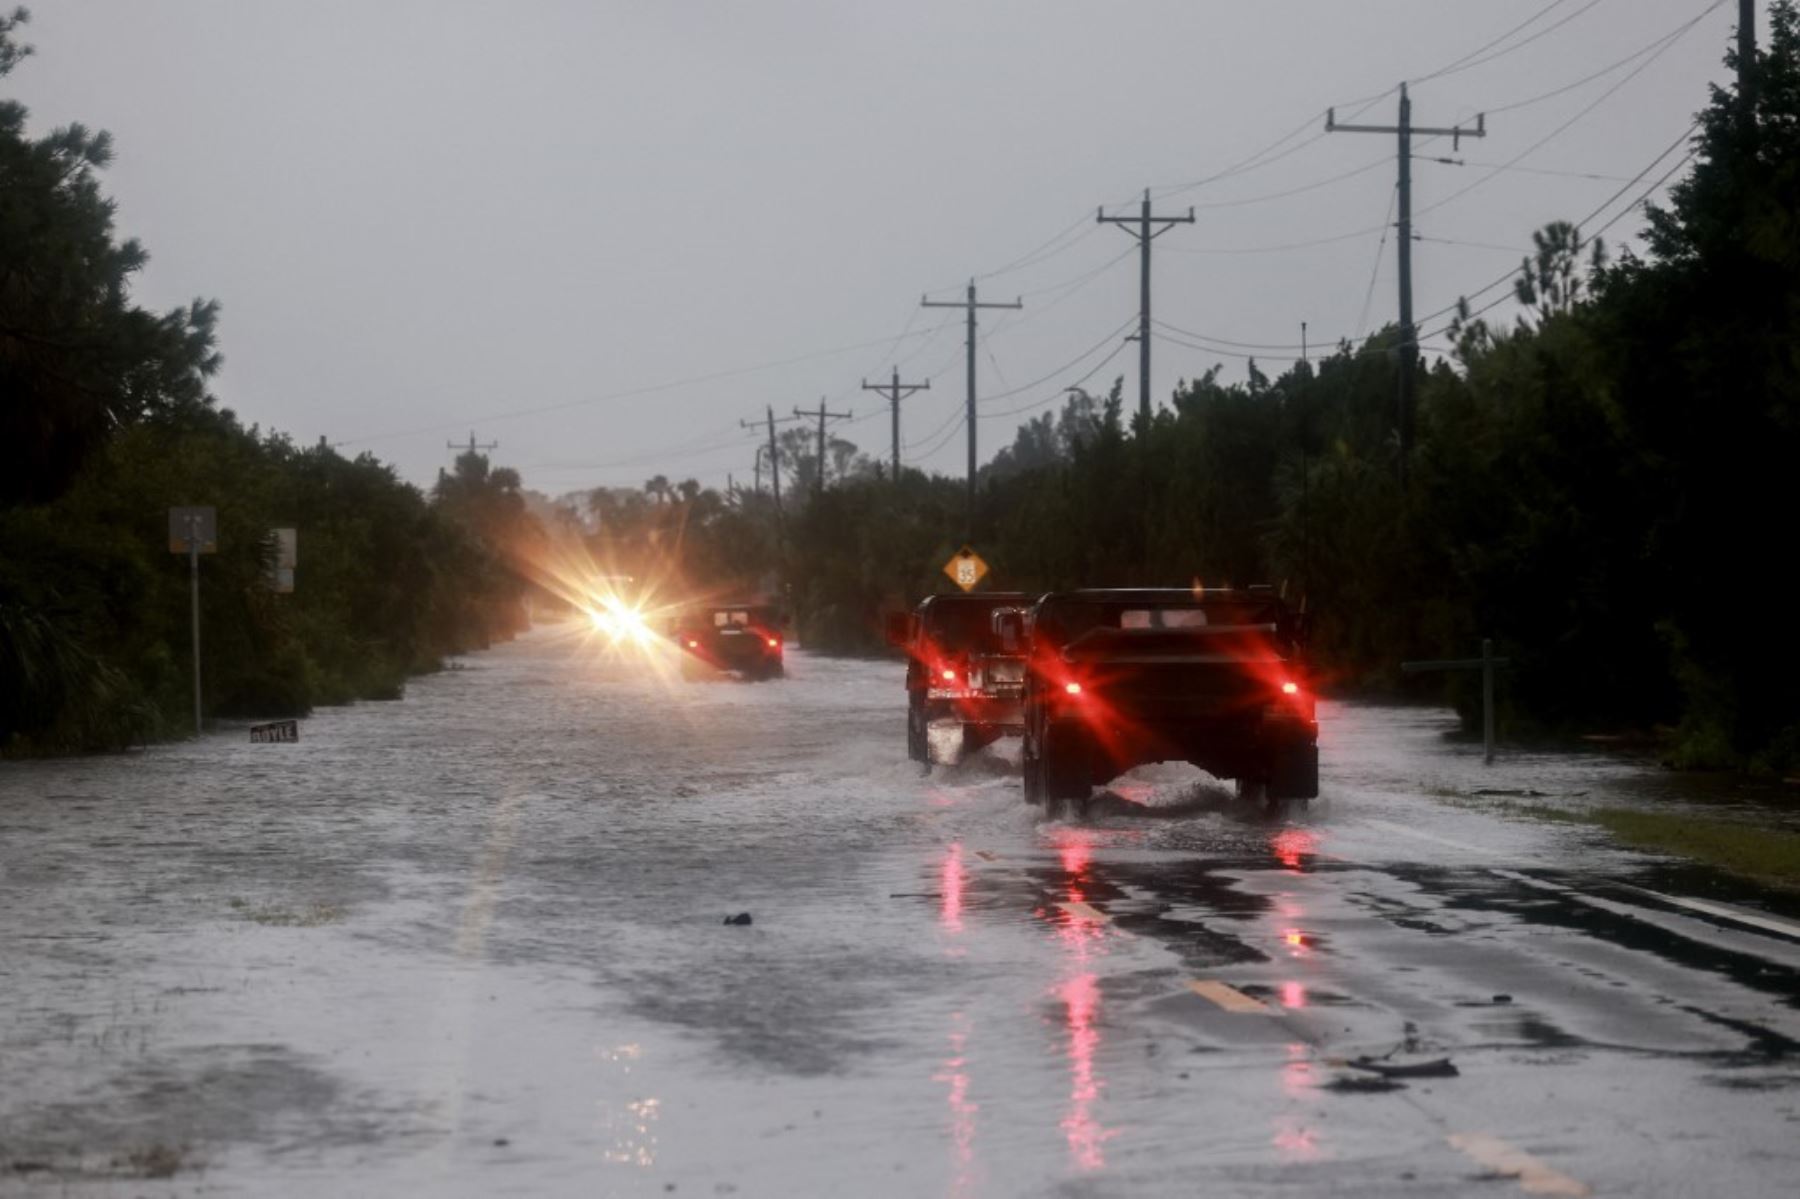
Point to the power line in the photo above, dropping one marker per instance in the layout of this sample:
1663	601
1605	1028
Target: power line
1296	191
1362	318
1464	63
1523	170
1092	371
1608	69
1581	224
628	393
1071	364
1568	124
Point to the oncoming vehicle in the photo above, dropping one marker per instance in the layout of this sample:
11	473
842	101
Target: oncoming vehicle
963	685
1121	678
741	639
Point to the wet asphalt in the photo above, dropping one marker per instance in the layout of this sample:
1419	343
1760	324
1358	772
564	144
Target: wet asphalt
475	942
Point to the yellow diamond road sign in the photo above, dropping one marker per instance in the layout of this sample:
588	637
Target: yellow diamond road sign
966	569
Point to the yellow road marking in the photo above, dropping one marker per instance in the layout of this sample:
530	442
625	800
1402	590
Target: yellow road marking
1534	1177
1082	911
1227	997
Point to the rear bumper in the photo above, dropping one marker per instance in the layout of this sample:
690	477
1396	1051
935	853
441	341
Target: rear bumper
971	707
1225	746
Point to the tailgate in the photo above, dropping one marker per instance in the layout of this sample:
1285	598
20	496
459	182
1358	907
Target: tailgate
1176	673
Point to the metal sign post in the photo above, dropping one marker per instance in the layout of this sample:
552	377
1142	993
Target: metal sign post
194	531
1487	664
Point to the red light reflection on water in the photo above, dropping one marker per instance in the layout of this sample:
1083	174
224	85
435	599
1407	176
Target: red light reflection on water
962	1110
1083	939
1085	1134
1293	1135
952	882
1292	845
1075	854
1293	995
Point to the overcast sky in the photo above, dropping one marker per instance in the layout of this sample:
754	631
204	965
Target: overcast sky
426	217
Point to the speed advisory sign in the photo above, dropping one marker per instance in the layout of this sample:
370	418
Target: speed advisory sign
966	569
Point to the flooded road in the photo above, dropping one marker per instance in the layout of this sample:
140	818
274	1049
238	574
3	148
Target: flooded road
474	943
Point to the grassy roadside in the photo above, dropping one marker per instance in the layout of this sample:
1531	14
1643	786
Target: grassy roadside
1762	855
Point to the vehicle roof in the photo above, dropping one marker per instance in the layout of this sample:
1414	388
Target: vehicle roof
991	598
1162	595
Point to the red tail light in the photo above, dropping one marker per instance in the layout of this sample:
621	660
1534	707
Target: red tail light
1072	688
1290	688
949	676
774	643
693	645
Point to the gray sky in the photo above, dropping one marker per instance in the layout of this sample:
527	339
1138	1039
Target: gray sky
424	217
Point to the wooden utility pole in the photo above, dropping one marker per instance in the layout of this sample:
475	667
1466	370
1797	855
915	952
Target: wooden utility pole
473	447
823	416
971	303
774	466
895	392
1746	61
1409	335
1147	229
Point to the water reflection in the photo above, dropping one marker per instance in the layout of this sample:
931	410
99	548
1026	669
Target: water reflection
955	1075
1294	846
1294	1136
1083	939
952	880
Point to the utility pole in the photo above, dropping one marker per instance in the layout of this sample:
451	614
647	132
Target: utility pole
823	416
1145	234
1746	62
1409	336
774	467
472	447
971	303
895	392
1305	497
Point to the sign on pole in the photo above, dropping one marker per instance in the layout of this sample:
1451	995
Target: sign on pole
966	569
199	525
194	531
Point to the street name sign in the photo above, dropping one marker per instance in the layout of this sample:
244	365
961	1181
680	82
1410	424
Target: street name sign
275	730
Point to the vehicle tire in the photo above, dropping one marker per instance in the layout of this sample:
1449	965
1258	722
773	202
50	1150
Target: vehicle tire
1254	789
915	731
1294	773
1065	767
1031	767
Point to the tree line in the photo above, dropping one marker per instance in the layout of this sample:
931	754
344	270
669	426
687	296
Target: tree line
106	422
1604	486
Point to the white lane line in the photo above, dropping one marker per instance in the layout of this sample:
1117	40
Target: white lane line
1533	1176
1718	911
1081	911
1227	997
1477	850
1721	911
